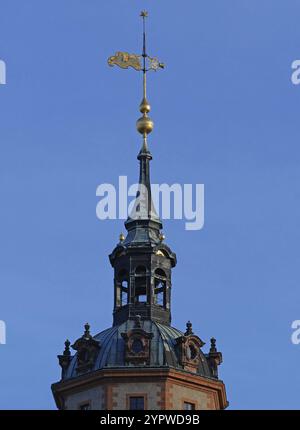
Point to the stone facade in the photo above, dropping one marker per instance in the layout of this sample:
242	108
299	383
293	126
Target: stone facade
161	390
94	397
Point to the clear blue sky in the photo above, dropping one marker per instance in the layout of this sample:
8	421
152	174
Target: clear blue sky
226	115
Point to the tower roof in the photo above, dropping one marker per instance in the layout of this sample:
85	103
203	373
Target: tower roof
143	223
164	351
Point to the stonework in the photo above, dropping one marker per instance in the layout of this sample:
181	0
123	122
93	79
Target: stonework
177	395
161	390
158	396
152	393
95	397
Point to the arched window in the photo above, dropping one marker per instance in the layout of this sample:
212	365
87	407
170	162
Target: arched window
124	293
122	288
160	287
140	285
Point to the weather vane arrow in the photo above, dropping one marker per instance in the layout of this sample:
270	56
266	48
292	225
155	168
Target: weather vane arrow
142	63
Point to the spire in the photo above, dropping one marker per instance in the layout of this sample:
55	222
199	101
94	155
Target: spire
126	60
144	124
143	216
142	262
144	208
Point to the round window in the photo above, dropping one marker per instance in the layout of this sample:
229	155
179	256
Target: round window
191	352
137	346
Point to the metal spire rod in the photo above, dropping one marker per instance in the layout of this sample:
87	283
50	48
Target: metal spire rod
144	15
125	60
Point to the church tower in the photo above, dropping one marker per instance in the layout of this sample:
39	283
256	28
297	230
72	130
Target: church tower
141	362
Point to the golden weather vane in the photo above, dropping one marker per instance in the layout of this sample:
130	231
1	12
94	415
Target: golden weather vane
142	63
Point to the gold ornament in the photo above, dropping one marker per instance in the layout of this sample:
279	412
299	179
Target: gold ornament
143	63
125	60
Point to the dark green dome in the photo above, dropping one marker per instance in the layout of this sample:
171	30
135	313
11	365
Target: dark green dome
163	351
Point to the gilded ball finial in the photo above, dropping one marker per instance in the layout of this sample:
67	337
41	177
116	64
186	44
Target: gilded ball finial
162	237
145	106
144	124
121	237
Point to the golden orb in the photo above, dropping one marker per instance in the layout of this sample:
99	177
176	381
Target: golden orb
122	237
162	237
145	106
144	125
